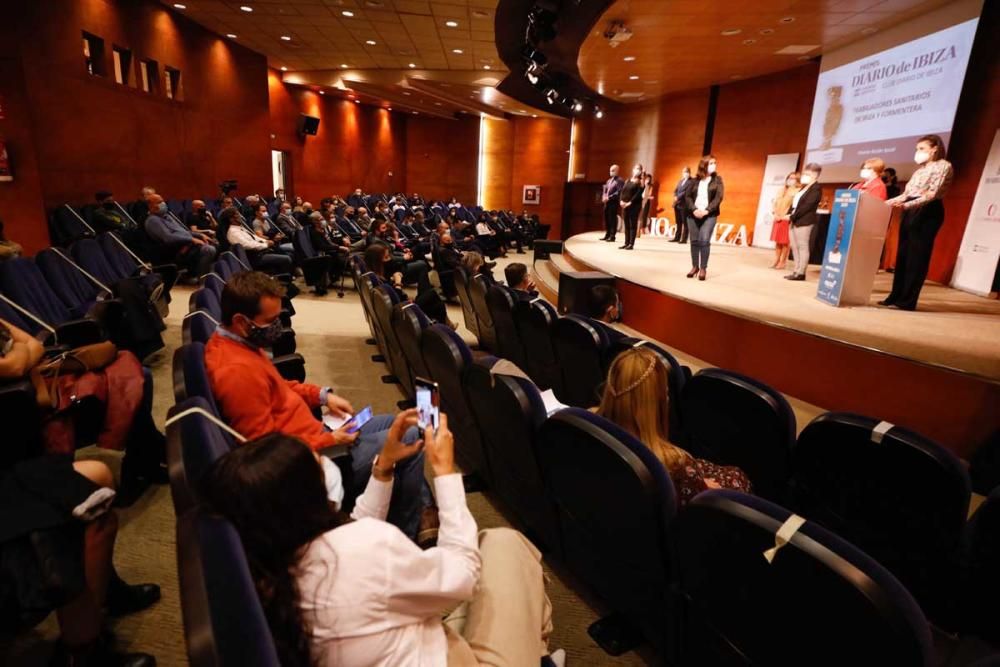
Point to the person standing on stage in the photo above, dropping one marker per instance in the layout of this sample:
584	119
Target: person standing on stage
702	200
647	203
631	202
891	182
923	214
779	230
803	218
871	178
611	198
680	207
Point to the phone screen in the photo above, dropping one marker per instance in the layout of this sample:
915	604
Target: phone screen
359	420
428	404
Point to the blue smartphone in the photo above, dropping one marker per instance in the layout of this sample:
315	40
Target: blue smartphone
359	420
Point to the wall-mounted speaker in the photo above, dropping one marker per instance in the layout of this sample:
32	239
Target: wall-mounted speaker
308	124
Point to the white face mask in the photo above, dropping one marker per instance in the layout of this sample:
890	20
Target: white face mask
806	179
920	157
711	168
866	174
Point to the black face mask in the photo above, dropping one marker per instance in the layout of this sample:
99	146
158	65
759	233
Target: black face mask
110	206
264	336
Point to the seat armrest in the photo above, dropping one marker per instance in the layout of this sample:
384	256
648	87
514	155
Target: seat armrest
291	367
285	345
76	333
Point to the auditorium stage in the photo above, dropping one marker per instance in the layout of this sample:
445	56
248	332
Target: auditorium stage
952	329
936	370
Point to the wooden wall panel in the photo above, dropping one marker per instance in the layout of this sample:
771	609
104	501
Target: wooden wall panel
90	133
356	145
497	162
442	157
541	157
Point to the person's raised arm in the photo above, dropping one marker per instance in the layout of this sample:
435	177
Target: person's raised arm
24	354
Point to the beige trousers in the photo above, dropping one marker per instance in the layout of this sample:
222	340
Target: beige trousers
508	621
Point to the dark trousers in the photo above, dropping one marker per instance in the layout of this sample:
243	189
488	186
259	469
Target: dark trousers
611	209
917	232
271	262
680	217
631	223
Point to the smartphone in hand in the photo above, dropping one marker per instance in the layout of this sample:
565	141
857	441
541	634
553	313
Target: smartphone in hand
428	404
355	423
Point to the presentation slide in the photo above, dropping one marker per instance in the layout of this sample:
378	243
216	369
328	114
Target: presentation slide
878	106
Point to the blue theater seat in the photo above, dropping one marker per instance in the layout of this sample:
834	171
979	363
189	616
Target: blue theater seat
732	419
383	301
500	301
534	321
820	601
677	376
462	280
194	443
580	351
408	323
484	319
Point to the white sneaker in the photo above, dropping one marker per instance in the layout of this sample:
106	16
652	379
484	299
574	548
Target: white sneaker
558	657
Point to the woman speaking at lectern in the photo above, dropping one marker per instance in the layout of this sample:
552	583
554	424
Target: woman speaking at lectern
923	214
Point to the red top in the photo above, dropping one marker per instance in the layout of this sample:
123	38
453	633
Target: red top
256	400
875	187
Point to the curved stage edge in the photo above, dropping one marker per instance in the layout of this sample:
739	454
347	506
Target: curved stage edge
960	409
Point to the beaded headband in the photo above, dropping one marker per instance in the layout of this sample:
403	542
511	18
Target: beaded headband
645	374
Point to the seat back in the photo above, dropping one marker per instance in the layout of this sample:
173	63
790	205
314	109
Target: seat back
74	289
22	282
208	300
615	504
819	601
484	319
67	225
461	277
731	419
500	302
509	412
447	358
197	327
190	375
408	323
194	443
123	264
676	378
383	301
580	348
224	623
367	284
900	497
89	254
534	321
980	573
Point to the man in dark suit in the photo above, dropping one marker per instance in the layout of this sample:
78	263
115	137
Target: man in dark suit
680	211
611	197
606	309
520	282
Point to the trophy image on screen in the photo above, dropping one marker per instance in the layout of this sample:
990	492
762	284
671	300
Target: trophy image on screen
834	115
835	255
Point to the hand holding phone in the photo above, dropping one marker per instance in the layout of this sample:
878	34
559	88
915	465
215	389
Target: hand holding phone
355	423
428	404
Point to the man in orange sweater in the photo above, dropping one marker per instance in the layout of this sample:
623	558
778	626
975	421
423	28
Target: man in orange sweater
256	400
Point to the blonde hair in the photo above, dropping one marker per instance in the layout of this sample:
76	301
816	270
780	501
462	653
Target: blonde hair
876	164
636	398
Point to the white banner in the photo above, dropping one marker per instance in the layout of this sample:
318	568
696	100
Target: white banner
980	249
775	171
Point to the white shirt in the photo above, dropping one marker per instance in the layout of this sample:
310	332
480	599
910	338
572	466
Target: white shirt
798	196
373	598
239	234
701	201
483	229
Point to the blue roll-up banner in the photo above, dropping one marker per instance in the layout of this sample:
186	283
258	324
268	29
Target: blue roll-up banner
838	244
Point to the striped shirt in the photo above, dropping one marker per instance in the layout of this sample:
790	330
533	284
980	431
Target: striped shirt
929	182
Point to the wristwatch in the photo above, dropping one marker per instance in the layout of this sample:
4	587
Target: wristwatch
376	470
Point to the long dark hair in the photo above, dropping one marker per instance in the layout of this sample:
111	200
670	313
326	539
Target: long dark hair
273	492
375	258
703	166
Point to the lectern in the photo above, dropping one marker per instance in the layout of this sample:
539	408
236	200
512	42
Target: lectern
854	242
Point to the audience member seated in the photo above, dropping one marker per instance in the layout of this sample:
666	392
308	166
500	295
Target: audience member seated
636	398
116	401
264	229
176	242
8	248
352	590
606	310
488	238
200	219
286	220
414	271
55	509
259	250
255	400
520	282
329	242
378	260
475	265
108	217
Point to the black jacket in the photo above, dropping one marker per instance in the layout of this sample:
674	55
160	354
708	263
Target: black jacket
804	214
715	193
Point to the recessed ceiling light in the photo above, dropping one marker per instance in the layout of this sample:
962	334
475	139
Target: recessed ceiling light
388	108
458	51
437	104
343	65
178	5
357	101
748	42
370	42
451	24
284	69
766	31
731	31
787	19
246	8
347	13
412	65
322	92
230	35
634	77
415	113
534	115
480	14
629	59
286	38
406	93
486	66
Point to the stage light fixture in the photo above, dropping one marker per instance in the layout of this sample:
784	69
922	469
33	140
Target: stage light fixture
246	8
286	38
577	105
534	73
551	95
598	113
541	24
230	35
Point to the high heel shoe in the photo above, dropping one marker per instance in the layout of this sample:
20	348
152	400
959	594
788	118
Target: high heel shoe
702	274
693	272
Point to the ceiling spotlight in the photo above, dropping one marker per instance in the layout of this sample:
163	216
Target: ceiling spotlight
286	38
412	65
486	66
731	31
415	112
343	65
348	14
766	31
634	77
598	112
534	72
388	108
246	8
230	35
534	115
284	69
322	92
577	105
370	42
357	101
458	51
787	19
551	95
629	59
178	5
748	42
451	24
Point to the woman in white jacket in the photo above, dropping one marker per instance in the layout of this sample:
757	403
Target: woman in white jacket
355	591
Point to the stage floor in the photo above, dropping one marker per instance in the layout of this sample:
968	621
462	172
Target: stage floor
951	329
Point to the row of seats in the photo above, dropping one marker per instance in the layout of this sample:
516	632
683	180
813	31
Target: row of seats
896	495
